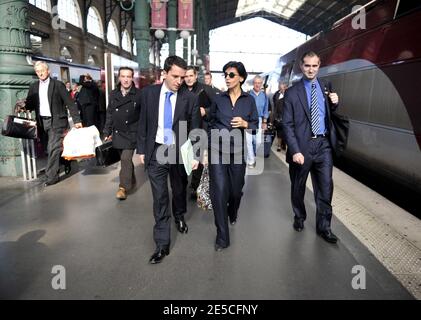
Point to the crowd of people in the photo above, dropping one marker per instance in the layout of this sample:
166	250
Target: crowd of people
157	120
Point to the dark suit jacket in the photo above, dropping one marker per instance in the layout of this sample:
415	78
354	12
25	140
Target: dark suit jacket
186	109
206	96
296	120
58	98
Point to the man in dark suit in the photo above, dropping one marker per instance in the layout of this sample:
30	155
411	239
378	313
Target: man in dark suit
165	112
49	98
206	96
309	135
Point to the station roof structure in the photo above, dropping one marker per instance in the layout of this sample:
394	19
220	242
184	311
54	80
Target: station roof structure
305	16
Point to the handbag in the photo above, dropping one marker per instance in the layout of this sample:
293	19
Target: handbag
203	195
341	127
19	127
277	123
106	155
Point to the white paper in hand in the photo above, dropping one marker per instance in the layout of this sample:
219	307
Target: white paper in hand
187	155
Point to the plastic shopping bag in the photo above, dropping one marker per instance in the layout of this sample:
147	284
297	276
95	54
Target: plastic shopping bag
81	143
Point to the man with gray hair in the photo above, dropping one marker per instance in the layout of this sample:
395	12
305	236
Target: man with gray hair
49	98
262	104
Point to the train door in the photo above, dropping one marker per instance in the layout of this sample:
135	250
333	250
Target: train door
65	74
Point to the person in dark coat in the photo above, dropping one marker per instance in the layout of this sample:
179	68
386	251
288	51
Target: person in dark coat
102	106
206	96
278	105
208	82
88	99
121	126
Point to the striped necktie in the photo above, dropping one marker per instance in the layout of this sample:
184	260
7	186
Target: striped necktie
168	118
314	110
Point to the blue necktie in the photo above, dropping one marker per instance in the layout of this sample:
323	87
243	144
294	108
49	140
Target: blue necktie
168	118
314	110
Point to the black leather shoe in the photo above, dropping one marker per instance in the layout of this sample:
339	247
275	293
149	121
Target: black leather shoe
182	226
233	221
328	236
50	183
67	168
219	248
298	225
159	255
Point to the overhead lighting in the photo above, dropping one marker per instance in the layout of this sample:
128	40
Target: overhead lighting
159	34
185	34
70	37
283	8
33	23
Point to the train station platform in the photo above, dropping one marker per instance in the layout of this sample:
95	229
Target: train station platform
104	244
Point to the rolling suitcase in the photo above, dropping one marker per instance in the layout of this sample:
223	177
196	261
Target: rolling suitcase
269	136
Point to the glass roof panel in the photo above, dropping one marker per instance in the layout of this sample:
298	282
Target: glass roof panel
282	8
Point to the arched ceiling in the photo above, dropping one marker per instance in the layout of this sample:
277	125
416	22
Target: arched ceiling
306	16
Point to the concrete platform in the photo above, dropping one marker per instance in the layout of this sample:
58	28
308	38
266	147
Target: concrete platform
104	245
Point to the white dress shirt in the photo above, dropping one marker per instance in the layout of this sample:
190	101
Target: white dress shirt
44	105
160	132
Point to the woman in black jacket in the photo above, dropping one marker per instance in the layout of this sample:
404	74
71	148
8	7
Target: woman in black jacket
121	126
231	114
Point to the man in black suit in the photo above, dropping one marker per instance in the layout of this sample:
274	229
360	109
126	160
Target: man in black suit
164	112
206	96
309	135
49	98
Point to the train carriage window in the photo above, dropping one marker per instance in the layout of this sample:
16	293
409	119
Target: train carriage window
406	7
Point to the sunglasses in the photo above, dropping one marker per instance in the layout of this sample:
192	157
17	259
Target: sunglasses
231	75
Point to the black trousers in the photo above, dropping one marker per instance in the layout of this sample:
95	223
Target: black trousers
54	150
226	183
127	176
319	164
158	177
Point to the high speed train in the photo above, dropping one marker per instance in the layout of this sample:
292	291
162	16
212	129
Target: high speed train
67	71
376	72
